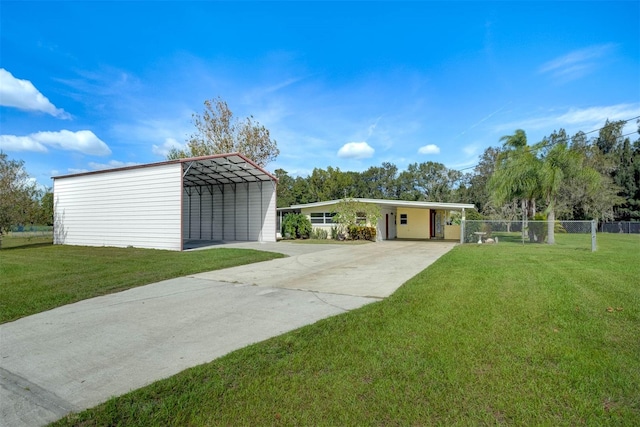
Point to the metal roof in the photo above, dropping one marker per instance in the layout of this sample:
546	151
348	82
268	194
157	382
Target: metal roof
231	168
394	203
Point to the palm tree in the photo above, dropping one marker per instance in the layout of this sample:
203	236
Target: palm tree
516	175
558	165
521	174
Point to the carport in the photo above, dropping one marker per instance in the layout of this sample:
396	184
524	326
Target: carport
168	205
226	198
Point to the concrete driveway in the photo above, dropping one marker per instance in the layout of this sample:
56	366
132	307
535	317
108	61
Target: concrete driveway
369	270
77	356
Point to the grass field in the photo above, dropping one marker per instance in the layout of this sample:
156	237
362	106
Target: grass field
489	334
38	276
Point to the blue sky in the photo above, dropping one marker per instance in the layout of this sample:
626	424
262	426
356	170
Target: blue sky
90	85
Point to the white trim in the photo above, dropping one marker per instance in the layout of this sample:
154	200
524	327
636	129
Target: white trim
395	203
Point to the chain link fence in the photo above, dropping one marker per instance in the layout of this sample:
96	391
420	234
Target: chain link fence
626	227
32	231
571	233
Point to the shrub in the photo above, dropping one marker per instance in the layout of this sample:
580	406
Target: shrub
470	228
359	232
296	226
349	212
319	233
334	233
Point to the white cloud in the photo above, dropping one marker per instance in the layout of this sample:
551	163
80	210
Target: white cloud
429	149
21	143
470	150
83	141
356	150
600	114
76	170
169	143
574	119
111	165
22	94
577	63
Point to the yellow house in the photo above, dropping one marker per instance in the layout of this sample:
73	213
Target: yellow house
399	219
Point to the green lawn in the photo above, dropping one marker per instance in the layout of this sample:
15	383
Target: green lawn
489	334
38	276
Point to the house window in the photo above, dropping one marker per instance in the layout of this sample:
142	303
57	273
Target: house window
403	219
322	218
317	218
361	218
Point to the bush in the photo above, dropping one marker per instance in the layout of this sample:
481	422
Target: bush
319	233
334	233
470	228
296	226
359	232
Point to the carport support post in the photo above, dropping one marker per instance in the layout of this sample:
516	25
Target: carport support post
221	188
210	188
235	213
462	227
199	190
261	213
248	211
189	193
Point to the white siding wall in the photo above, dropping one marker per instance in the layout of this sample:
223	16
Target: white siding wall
269	212
391	212
135	207
246	213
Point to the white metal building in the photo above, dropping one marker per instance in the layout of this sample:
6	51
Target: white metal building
167	205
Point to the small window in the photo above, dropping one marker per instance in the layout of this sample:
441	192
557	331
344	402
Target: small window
317	218
403	219
328	217
361	218
322	218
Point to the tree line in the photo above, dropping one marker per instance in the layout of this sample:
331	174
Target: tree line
577	177
561	177
22	200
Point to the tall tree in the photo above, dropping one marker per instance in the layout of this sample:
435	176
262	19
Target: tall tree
46	208
19	195
540	171
218	132
428	181
517	174
478	192
285	195
627	177
609	136
380	182
558	165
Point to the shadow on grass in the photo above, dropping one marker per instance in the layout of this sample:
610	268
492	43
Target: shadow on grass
24	245
510	238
